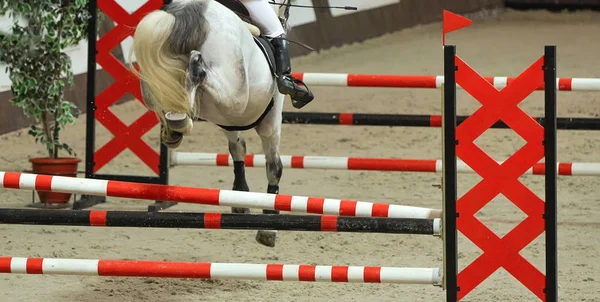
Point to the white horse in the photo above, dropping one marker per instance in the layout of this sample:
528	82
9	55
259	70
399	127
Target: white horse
198	59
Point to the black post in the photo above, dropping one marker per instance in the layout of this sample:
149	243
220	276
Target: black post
163	179
449	175
90	128
90	132
87	201
551	174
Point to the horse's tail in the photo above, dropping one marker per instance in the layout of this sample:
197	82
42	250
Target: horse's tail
162	43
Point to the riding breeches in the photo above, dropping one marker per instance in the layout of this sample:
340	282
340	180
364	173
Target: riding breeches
264	17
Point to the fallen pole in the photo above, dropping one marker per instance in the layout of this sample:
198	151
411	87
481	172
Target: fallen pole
364	164
312	223
415	120
425	81
228	198
223	271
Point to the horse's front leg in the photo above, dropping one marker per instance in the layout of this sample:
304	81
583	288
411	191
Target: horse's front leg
237	149
177	125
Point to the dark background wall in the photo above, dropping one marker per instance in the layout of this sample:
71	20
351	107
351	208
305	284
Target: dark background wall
326	32
554	5
331	31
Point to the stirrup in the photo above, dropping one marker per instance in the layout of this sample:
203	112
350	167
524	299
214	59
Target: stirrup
300	96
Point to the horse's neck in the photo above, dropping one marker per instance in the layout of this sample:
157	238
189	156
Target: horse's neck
226	37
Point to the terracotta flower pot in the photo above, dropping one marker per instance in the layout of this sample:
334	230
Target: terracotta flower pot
66	166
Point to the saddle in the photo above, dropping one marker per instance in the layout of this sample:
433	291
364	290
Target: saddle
238	8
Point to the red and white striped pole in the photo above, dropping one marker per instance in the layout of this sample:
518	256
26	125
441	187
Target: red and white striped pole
238	271
424	81
359	163
228	198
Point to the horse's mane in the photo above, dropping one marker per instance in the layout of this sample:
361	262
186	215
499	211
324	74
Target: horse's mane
190	28
163	41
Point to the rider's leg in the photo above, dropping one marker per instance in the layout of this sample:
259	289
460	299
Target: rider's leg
263	15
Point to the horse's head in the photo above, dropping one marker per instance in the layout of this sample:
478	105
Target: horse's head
178	123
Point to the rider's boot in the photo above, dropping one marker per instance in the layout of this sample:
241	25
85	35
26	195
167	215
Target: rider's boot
300	95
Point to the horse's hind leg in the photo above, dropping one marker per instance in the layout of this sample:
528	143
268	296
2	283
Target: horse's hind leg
270	131
274	171
237	149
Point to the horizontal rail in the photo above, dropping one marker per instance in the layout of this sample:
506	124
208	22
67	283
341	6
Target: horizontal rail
97	218
228	198
426	81
414	120
365	164
223	271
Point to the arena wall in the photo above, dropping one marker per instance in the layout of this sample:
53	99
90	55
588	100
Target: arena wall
554	5
319	28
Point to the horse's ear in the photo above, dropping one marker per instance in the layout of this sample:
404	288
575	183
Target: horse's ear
196	69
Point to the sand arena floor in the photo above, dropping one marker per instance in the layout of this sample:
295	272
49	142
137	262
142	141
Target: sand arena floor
501	45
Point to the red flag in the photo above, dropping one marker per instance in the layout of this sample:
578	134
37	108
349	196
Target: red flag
453	22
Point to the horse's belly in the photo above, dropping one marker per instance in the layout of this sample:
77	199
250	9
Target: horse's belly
209	111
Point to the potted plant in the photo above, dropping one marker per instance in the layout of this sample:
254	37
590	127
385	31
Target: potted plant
39	69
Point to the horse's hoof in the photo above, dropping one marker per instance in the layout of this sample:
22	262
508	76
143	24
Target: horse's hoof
266	238
174	140
179	122
173	145
240	210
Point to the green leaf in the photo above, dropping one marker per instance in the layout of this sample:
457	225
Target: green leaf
37	65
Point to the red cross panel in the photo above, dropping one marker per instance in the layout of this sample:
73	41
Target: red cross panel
125	137
500	179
